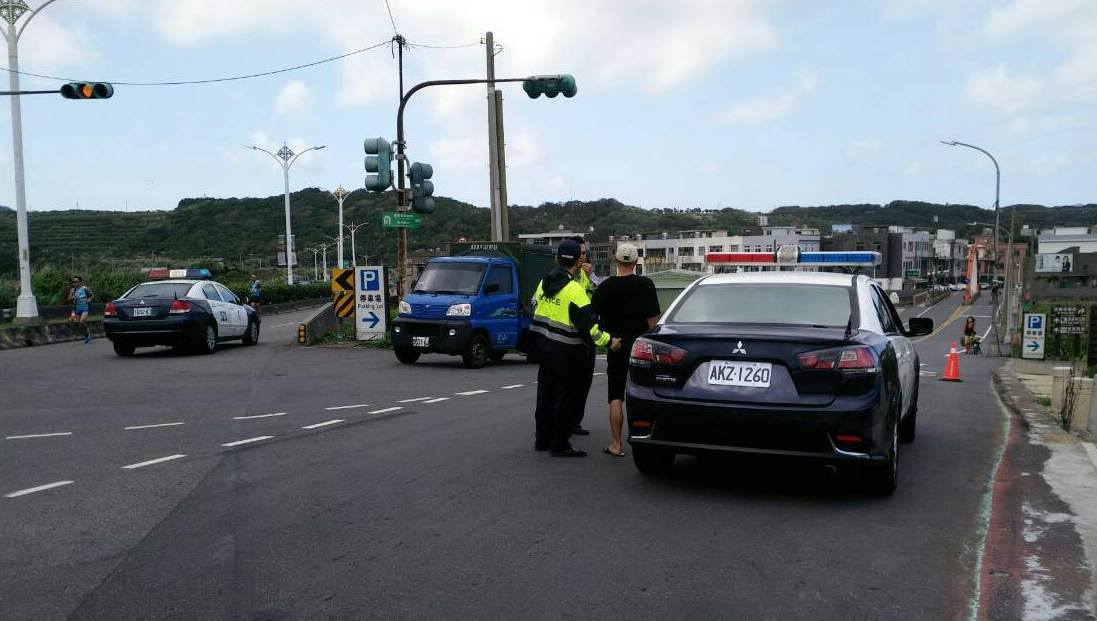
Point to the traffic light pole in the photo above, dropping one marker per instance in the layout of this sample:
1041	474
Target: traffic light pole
403	202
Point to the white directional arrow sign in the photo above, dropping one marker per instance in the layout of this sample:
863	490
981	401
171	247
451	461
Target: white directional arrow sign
370	318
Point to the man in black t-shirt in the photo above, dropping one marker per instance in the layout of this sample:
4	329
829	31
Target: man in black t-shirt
627	306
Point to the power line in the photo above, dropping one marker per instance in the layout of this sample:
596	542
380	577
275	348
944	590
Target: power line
210	80
444	47
391	20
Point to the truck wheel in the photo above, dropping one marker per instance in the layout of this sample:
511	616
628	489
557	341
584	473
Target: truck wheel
476	354
407	355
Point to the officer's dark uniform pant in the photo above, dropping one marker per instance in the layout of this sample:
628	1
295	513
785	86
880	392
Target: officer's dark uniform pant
559	385
586	379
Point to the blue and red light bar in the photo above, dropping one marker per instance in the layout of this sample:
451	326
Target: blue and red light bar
792	256
195	273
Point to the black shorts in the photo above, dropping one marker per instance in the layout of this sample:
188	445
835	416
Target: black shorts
617	370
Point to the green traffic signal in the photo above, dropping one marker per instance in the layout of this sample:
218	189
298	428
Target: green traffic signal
87	90
422	188
378	161
550	85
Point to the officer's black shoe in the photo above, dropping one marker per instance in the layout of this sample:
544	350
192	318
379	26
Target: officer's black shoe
571	452
579	430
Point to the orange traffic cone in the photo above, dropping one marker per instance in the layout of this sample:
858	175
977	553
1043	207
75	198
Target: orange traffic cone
952	365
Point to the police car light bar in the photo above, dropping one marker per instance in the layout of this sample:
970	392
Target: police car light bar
793	256
195	273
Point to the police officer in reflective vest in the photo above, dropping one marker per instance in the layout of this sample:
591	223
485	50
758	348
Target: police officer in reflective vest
566	333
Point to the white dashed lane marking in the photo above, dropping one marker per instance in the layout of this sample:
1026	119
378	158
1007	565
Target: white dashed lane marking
469	393
384	410
258	416
39	435
513	386
40	488
348	407
239	442
334	421
153	426
158	460
437	400
415	399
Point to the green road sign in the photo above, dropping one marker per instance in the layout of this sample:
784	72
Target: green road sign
401	220
913	273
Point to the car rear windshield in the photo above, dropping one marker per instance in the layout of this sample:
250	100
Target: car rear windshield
159	290
778	303
451	278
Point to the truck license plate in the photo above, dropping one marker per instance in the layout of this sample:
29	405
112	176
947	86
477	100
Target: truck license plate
420	341
750	374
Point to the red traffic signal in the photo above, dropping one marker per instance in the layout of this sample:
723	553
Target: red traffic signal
87	90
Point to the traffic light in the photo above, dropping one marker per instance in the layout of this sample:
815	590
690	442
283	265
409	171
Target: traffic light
379	161
87	90
550	85
422	187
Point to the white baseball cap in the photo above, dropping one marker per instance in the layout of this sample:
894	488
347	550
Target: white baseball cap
626	253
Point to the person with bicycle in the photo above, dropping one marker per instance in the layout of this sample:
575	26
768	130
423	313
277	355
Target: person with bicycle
970	334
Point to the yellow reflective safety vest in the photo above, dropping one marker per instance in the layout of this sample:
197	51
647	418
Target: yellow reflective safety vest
584	281
552	318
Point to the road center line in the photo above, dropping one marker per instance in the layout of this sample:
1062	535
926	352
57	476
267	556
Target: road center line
39	435
151	426
333	421
469	393
258	416
513	386
348	407
415	399
239	442
150	462
382	411
437	400
40	488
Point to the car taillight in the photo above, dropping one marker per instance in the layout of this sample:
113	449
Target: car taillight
856	358
648	351
110	310
179	307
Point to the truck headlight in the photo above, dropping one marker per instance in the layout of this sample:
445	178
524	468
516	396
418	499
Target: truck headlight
404	308
459	310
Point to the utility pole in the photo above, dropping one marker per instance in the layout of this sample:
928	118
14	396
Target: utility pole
402	202
497	171
340	193
315	264
352	227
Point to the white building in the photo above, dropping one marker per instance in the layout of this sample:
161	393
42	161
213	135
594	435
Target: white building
1063	237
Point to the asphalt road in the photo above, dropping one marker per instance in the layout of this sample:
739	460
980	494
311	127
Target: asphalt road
424	498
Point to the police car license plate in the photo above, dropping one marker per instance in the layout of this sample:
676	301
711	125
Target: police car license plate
420	341
142	311
749	374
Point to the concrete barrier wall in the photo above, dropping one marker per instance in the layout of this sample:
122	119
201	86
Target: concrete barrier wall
316	325
29	335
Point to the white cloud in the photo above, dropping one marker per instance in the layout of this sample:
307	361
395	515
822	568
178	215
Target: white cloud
1049	164
49	44
1009	94
913	169
459	154
769	108
521	148
294	100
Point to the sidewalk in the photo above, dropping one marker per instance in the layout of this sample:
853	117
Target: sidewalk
1041	550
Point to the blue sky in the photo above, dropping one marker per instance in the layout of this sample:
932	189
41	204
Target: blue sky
692	103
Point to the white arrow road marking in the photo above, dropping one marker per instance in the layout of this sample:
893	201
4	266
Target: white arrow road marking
239	442
31	490
334	421
152	426
150	462
39	435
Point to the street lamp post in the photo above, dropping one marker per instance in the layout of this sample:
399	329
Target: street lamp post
285	158
340	193
353	228
11	10
324	272
315	263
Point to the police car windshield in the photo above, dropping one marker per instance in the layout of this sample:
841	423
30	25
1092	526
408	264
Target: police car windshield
451	278
776	303
159	290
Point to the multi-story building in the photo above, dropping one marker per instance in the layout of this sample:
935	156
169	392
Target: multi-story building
889	274
551	238
1065	265
685	250
950	257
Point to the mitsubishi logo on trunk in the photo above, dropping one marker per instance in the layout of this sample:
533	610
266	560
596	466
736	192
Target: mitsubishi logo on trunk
739	348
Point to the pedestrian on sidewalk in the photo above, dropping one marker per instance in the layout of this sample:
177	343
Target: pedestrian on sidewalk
627	306
80	296
567	333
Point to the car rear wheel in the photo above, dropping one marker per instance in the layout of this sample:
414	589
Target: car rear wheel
882	479
652	461
407	355
123	348
476	354
251	335
207	343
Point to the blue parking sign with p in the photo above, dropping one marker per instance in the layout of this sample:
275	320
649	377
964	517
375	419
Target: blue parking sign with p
371	280
1035	322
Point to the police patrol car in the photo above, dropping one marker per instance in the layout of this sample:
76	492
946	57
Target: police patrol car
802	364
180	308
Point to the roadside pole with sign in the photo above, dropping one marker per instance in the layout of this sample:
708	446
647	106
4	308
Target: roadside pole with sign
370	313
1032	345
401	220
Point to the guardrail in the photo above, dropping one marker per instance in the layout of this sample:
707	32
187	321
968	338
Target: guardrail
929	298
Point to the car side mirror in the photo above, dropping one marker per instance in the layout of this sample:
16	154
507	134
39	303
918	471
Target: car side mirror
919	326
491	289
